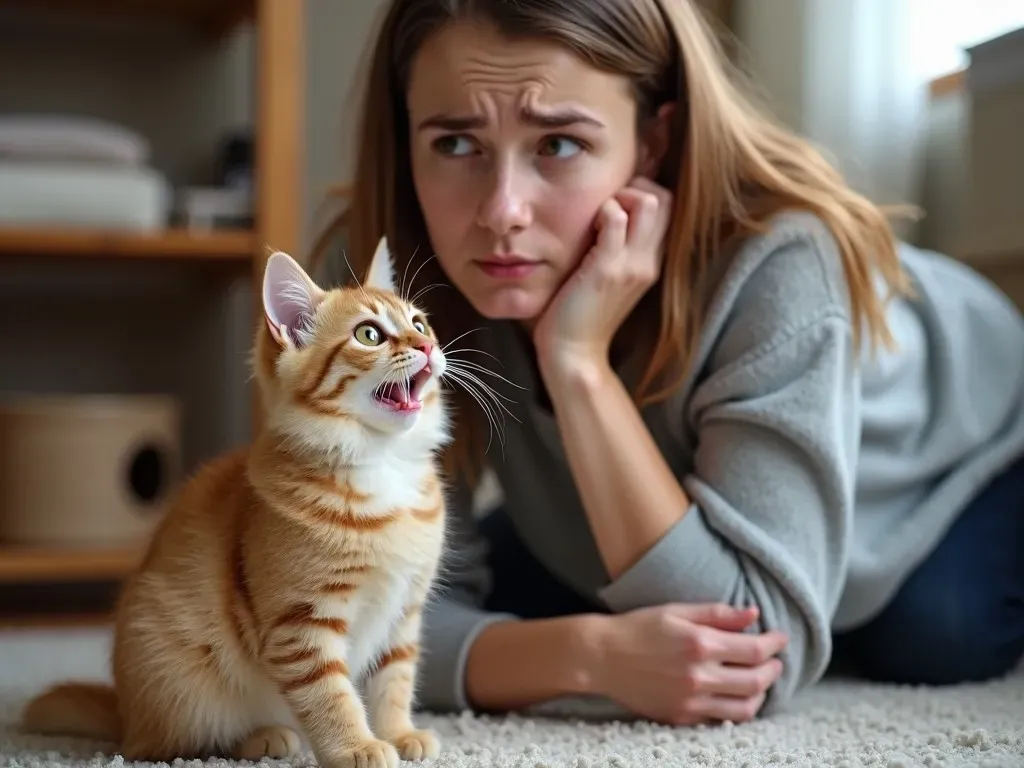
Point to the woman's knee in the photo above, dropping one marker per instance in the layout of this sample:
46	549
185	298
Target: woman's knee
960	615
935	634
946	652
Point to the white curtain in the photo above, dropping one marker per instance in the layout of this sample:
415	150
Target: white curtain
853	75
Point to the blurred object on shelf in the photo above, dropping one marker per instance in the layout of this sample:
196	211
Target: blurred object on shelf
82	196
236	162
70	138
229	205
86	470
208	208
75	171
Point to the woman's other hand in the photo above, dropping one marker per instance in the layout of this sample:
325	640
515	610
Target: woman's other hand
687	664
579	323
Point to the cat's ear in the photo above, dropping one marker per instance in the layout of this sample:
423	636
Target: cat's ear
289	299
381	274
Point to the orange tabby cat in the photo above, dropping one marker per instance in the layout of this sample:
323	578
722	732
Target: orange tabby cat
289	571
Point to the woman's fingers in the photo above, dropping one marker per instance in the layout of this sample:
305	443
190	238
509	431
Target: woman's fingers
643	208
732	708
719	615
746	649
655	204
743	682
612	226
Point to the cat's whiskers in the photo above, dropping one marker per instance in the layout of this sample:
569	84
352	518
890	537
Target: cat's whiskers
426	289
480	394
459	368
471	349
359	285
405	272
417	272
464	364
445	347
465	374
450	359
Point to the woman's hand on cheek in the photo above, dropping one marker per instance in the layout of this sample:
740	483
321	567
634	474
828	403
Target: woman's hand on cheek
577	327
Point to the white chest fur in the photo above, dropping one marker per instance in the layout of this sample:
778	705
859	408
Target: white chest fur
375	614
402	554
392	484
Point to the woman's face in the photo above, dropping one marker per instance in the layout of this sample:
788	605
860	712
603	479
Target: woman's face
515	145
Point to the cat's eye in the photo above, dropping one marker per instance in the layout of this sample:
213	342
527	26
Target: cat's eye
419	325
369	334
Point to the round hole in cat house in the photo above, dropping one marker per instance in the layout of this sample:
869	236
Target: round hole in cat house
147	471
86	470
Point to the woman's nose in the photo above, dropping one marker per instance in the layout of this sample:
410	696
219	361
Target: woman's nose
506	208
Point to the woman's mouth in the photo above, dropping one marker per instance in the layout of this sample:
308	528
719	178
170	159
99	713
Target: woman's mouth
508	267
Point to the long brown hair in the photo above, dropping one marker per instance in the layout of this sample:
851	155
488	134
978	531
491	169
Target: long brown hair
730	167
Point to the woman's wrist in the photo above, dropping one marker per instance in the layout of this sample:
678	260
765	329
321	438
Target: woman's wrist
574	373
517	664
592	653
585	657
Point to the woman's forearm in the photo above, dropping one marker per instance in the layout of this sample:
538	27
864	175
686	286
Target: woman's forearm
629	493
517	664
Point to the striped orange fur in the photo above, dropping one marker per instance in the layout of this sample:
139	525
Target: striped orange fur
290	571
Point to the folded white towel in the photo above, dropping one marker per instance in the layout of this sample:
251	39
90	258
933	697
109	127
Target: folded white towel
83	195
70	138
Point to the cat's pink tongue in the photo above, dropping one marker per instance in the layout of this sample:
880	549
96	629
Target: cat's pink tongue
398	397
396	393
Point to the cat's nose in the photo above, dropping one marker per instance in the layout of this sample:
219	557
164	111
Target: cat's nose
426	348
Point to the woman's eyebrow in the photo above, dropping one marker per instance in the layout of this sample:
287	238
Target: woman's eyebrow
562	117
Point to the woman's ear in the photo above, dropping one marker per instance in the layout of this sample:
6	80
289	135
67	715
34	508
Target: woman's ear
655	137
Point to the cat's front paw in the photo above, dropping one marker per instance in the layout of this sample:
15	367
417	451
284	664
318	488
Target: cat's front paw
369	754
274	741
417	745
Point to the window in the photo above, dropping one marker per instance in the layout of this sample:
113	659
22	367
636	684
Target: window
946	28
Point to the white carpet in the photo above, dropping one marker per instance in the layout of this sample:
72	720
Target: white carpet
840	723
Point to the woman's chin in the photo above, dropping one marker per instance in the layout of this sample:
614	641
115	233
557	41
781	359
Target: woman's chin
521	304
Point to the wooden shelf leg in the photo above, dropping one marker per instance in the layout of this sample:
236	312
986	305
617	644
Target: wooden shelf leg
280	136
280	131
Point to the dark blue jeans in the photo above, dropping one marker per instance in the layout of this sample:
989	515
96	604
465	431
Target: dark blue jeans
958	617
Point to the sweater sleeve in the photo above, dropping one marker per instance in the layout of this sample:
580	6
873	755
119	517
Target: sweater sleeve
453	616
771	490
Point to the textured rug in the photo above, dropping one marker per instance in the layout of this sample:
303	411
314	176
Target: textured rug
839	723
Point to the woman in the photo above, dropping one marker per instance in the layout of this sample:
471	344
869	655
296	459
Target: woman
751	430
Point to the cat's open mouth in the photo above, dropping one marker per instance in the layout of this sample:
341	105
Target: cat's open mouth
403	395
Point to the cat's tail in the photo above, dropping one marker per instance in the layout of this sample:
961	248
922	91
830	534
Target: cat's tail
88	710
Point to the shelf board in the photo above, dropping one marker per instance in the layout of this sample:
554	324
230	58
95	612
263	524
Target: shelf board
50	621
213	17
172	244
22	564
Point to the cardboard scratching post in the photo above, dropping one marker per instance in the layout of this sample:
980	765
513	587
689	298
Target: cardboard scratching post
86	470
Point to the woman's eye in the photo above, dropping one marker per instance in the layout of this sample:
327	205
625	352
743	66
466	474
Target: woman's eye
454	146
560	146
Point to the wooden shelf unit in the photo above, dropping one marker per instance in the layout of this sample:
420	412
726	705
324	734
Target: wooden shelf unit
178	244
55	564
279	126
214	17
